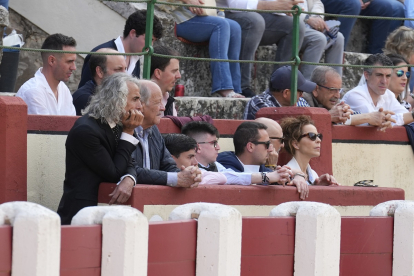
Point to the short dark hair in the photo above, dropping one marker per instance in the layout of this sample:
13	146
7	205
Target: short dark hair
95	61
377	59
245	133
137	21
161	62
195	128
178	143
57	42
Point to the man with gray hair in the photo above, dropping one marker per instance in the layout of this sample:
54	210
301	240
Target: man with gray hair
374	96
152	160
101	66
327	95
100	144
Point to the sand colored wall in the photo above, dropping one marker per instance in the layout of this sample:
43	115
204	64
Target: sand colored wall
388	165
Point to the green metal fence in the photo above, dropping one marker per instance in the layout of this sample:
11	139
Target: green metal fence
148	50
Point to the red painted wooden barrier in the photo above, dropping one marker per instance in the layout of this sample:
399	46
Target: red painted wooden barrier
268	246
366	246
5	250
252	195
81	250
172	248
13	149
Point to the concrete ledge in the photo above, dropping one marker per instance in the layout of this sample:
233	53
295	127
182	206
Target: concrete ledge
252	195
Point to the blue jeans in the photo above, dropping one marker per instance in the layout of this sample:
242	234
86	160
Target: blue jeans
225	42
379	28
5	3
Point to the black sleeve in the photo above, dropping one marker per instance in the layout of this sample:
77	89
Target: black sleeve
86	72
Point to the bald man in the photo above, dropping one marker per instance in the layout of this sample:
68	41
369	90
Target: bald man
101	66
276	137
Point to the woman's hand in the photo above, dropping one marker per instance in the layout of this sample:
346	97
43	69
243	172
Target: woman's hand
326	180
195	10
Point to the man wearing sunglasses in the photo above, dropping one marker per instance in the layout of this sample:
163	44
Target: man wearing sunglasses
153	163
327	95
248	173
278	93
374	95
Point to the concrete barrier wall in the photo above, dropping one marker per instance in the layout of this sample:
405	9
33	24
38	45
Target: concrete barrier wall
268	244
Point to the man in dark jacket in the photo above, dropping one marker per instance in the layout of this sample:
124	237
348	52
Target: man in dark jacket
252	146
153	162
132	41
99	146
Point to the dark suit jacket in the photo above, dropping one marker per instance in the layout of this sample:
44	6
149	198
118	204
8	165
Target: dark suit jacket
229	160
160	159
91	158
86	72
82	96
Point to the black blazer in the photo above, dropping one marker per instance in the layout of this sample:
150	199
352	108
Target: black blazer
86	71
91	158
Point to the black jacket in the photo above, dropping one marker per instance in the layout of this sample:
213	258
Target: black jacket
160	158
229	160
91	158
86	72
82	96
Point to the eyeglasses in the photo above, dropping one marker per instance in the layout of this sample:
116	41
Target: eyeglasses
400	73
214	143
267	143
312	136
281	139
332	89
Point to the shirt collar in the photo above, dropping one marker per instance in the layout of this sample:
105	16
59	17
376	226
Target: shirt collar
132	59
381	100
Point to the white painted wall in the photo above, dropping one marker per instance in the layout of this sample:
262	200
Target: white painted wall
89	21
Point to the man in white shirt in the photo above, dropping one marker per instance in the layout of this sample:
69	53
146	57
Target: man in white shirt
374	95
253	171
132	41
45	93
263	29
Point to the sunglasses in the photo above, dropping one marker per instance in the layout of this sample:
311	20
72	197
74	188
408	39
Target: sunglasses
312	136
214	143
281	139
267	143
400	73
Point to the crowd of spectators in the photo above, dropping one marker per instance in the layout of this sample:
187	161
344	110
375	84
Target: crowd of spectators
117	138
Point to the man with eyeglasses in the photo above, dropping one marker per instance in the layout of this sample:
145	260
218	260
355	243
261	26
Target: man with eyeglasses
374	95
278	93
253	172
327	95
153	163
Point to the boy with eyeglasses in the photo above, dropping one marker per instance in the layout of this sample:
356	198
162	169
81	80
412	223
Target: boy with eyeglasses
244	171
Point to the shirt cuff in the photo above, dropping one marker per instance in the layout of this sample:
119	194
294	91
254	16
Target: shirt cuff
172	179
129	138
122	178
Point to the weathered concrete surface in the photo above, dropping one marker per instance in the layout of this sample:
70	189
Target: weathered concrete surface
4	22
195	74
217	108
31	61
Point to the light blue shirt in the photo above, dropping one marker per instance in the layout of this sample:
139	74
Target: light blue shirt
409	13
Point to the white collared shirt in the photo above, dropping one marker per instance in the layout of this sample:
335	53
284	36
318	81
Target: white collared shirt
41	100
312	175
132	59
360	100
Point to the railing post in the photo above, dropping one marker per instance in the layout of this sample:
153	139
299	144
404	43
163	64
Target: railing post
148	39
295	55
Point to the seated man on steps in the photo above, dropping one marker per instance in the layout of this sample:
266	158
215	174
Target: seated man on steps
101	66
132	41
165	72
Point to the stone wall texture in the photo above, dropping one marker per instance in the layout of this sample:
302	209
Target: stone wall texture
195	74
